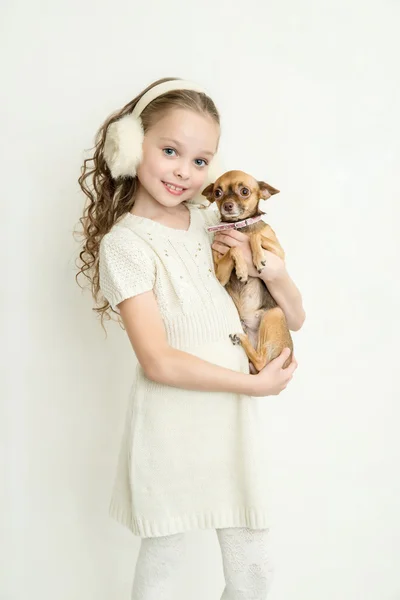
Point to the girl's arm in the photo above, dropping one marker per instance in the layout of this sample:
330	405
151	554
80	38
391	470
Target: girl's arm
274	275
166	365
285	292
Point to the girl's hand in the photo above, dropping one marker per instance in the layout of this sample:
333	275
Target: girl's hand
274	267
271	380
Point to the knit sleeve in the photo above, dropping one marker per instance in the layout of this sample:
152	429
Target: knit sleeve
126	268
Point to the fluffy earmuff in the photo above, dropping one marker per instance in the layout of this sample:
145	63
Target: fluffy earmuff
123	146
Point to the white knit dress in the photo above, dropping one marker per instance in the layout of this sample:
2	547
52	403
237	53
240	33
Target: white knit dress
188	459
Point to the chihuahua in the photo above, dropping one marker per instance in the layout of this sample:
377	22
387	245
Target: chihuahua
237	196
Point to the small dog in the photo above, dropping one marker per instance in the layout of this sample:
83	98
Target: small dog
237	195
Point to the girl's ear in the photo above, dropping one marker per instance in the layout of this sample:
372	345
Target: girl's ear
266	190
208	192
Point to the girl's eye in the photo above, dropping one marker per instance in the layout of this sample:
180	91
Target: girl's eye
245	191
201	160
218	193
168	150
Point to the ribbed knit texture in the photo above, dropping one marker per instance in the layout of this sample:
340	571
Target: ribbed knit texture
188	459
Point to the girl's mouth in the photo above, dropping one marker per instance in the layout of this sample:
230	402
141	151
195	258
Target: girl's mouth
174	189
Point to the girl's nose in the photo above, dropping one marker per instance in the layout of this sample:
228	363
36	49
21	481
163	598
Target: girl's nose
182	172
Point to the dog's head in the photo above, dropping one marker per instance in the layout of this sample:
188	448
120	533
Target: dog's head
237	195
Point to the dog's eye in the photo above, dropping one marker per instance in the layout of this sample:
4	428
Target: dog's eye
218	193
245	191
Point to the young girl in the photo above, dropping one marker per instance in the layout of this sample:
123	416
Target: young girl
191	455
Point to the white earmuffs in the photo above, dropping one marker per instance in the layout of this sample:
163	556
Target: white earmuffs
124	138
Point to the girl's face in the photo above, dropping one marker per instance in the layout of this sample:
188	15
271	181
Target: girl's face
177	150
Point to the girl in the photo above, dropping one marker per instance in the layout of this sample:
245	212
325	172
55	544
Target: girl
191	455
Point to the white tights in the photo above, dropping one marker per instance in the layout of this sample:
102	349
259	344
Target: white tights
245	559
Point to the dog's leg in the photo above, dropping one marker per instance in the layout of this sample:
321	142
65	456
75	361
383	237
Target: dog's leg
223	266
240	264
257	251
252	354
272	245
273	337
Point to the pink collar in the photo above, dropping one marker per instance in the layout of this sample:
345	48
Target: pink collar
237	225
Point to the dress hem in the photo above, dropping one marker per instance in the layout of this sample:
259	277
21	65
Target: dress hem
249	517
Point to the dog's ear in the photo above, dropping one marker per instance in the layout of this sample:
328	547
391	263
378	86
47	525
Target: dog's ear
208	192
267	190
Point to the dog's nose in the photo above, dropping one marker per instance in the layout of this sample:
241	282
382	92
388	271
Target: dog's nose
228	206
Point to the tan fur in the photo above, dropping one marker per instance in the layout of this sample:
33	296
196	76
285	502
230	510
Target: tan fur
264	322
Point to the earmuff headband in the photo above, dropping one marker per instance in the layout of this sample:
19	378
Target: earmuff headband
163	88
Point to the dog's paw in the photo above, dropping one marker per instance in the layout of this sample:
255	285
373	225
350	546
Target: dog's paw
260	262
235	339
242	275
260	265
241	271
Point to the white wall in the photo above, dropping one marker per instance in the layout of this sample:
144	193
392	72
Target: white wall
309	95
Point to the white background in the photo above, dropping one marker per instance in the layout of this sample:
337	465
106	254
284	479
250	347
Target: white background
309	96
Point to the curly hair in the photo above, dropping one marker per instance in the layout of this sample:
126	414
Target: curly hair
107	199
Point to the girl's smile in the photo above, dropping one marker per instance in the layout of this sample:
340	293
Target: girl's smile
174	190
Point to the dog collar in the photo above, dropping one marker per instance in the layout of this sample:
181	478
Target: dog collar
237	225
